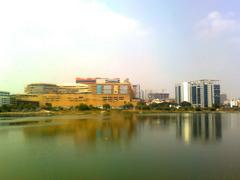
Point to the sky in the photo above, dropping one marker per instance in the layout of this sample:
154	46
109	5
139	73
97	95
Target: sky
154	43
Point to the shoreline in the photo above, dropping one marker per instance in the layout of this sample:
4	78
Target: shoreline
55	113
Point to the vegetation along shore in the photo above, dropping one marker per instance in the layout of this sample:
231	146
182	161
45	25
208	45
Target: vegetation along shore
141	107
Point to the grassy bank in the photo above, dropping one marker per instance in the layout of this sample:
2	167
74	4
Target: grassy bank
25	114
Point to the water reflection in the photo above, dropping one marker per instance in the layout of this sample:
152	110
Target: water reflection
111	128
121	128
157	121
199	127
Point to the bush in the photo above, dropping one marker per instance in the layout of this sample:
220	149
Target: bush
154	106
213	109
198	109
91	107
58	108
216	106
5	108
83	107
26	106
48	107
128	106
186	104
166	106
106	107
167	109
142	106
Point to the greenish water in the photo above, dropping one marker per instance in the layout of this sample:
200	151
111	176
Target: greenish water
121	146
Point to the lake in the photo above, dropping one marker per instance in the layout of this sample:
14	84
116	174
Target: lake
121	146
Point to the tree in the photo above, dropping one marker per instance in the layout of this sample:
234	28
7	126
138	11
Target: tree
128	106
83	107
216	106
5	108
161	106
106	106
142	106
48	106
164	106
185	104
213	109
154	106
198	109
91	107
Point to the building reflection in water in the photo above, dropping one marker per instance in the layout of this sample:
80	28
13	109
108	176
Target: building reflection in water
157	121
119	129
102	128
98	131
201	127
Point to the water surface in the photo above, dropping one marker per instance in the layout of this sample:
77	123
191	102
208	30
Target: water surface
121	146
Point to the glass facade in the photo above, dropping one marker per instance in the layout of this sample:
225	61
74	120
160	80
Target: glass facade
107	89
99	89
216	96
123	89
179	94
41	88
176	94
4	93
198	95
194	95
205	92
201	93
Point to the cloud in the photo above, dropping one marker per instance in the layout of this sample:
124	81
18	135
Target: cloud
62	25
217	25
56	40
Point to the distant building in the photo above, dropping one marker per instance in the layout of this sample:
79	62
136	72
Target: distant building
146	94
4	98
223	98
160	96
137	91
235	103
201	93
142	94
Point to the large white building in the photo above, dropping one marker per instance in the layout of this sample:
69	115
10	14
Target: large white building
201	93
4	98
182	92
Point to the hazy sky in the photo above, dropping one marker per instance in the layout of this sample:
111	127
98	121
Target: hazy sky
154	42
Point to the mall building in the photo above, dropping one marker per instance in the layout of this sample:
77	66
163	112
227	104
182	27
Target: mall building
91	91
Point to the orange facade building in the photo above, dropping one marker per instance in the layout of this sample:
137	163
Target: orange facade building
90	91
